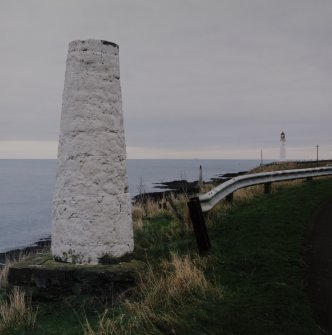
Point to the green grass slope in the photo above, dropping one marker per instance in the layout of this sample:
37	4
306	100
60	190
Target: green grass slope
253	281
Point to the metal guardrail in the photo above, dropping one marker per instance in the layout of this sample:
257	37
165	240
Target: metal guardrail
211	198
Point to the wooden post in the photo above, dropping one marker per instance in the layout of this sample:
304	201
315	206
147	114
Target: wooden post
229	197
268	188
198	222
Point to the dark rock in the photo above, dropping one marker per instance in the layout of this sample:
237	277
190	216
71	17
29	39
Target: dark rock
40	245
171	188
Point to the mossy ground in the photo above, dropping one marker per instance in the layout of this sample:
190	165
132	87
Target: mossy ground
46	261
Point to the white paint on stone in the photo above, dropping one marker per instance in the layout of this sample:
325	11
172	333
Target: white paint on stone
91	207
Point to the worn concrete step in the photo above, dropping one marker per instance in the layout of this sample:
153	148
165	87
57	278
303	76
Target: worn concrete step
42	272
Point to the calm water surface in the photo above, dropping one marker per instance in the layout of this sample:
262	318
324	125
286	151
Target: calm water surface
26	190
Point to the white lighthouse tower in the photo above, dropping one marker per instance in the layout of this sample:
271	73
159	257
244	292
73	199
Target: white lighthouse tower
282	147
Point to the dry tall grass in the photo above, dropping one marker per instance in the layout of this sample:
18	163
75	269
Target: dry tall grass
162	294
172	206
17	311
175	282
4	276
289	165
4	271
145	210
248	193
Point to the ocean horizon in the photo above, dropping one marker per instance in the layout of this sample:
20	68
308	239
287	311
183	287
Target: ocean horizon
27	187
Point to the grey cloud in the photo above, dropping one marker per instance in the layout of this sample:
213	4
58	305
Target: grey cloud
193	73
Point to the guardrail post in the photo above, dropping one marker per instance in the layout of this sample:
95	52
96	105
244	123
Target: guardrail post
198	222
268	188
229	197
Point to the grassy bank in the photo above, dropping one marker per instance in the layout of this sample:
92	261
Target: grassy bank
253	282
259	258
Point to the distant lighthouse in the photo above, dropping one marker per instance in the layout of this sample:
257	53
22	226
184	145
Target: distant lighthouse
282	147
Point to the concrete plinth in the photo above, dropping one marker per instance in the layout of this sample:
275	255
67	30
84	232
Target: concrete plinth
91	208
43	273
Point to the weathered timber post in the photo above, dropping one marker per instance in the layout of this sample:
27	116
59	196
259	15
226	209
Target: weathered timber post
91	207
268	188
198	222
230	197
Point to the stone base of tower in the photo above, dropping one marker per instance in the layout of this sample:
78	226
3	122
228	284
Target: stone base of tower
40	272
86	229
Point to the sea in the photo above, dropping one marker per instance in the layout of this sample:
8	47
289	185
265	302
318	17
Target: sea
27	186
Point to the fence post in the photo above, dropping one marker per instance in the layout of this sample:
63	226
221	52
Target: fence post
198	222
230	197
268	188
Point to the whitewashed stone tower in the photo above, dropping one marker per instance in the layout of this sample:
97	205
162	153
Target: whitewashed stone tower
282	147
91	207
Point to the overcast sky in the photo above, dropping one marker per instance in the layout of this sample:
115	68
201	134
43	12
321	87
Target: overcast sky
200	79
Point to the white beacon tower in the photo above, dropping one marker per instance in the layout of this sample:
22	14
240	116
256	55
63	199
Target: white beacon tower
91	207
282	147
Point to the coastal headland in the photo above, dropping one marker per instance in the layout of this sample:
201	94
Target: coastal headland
258	253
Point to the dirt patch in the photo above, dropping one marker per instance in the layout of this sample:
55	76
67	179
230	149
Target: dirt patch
319	260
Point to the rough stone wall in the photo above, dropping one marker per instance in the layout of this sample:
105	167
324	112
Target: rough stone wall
91	207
